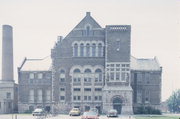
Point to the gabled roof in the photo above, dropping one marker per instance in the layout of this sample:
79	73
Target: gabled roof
36	64
145	64
87	20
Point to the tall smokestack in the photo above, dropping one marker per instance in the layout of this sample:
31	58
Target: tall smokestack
7	53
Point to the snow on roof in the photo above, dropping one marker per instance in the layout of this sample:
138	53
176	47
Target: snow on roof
145	64
37	64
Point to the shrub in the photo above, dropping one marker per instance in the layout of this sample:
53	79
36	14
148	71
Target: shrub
146	110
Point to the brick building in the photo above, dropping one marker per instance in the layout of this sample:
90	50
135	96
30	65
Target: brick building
91	67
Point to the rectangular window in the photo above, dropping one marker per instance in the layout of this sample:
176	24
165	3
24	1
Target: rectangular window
123	78
112	65
112	69
85	97
74	97
87	89
8	95
112	76
117	65
100	97
48	95
39	99
40	75
31	76
62	79
123	65
77	89
79	97
31	95
96	98
0	105
89	97
62	89
62	97
139	96
117	76
9	105
98	89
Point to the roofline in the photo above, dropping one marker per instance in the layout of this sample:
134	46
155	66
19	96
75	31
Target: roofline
19	68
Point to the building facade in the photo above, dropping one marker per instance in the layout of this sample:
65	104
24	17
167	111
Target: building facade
91	67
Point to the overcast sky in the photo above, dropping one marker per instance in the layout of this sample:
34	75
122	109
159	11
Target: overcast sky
155	28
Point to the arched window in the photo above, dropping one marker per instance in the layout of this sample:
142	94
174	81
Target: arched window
76	76
87	30
87	75
77	71
93	50
100	50
82	50
87	71
76	50
62	75
88	50
98	75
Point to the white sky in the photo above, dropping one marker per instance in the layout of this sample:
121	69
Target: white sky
155	28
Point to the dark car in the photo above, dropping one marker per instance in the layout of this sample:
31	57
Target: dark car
90	115
112	113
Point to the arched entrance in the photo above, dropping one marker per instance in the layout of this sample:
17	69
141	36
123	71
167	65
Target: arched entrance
117	104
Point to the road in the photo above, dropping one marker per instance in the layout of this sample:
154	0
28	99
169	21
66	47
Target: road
28	116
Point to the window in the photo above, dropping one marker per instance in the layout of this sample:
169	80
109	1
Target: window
100	50
62	75
123	77
88	50
96	98
31	75
82	50
62	97
98	89
39	98
139	96
9	105
79	97
48	95
87	71
74	97
99	75
100	97
31	81
89	97
76	50
112	76
117	76
77	71
87	89
8	95
31	95
93	50
85	97
62	89
40	75
77	89
0	105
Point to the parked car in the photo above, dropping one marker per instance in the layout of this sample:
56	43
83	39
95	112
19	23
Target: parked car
94	110
39	112
75	112
112	113
90	115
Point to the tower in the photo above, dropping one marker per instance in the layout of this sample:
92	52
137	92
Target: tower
7	53
117	92
8	89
